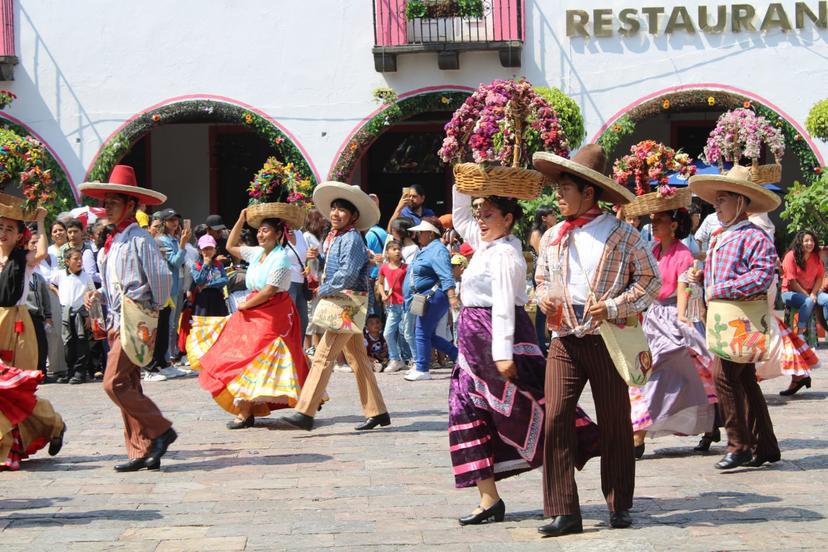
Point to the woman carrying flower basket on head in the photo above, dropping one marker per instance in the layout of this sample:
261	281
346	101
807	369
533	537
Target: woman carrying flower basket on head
252	361
496	411
679	397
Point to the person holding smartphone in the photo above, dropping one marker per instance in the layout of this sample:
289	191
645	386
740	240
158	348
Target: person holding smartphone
412	205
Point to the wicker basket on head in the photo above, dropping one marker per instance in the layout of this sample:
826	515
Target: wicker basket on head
476	180
648	204
766	174
293	215
14	208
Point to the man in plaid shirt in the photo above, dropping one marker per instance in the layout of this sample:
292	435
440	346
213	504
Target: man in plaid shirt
608	273
740	266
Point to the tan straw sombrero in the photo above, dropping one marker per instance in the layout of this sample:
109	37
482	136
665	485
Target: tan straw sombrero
327	192
15	208
122	181
737	180
590	163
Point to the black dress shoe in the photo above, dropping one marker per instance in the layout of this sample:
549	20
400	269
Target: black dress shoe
159	446
138	464
707	439
380	419
796	386
297	420
57	442
62	379
620	519
759	459
241	424
733	460
639	451
496	511
562	525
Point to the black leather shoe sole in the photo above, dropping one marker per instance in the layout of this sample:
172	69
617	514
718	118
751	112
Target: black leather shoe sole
620	519
241	424
138	464
374	421
569	525
496	511
296	421
733	460
757	461
57	443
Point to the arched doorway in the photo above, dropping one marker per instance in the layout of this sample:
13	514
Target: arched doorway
396	146
682	117
67	194
201	152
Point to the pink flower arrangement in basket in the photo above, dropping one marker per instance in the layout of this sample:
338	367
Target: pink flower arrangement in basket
742	133
650	162
503	123
276	182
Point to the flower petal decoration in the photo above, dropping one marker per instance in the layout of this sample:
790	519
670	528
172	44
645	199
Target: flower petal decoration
650	162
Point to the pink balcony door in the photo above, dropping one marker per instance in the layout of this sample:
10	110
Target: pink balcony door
390	21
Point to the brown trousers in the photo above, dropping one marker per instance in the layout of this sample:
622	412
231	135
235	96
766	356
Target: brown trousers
572	362
143	422
743	408
353	346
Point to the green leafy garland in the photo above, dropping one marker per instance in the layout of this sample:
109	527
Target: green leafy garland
705	99
196	111
393	113
568	113
64	198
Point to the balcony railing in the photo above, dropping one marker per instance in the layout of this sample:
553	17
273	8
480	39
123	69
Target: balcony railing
496	25
8	56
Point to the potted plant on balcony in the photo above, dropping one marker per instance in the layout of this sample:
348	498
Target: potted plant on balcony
491	139
447	21
650	163
742	134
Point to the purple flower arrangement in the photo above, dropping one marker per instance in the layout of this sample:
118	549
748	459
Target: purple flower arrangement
498	118
742	133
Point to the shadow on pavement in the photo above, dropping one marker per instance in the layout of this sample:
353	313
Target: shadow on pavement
235	461
20	520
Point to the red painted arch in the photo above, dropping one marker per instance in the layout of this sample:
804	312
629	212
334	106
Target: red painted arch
217	98
714	86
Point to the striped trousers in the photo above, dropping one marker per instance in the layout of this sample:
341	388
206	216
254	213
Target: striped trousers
571	363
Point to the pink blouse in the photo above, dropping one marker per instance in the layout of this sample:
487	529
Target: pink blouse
672	264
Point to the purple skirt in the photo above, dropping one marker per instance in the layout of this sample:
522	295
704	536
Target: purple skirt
496	426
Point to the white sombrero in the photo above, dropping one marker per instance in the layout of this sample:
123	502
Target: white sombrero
327	192
122	181
590	163
736	180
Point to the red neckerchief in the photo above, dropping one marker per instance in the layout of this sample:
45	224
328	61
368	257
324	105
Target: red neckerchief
714	236
118	229
335	234
571	224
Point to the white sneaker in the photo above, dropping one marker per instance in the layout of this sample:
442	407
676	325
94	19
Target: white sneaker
344	368
414	375
153	376
395	366
171	372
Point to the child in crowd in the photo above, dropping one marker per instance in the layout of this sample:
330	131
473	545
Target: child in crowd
210	280
390	284
39	304
375	342
72	284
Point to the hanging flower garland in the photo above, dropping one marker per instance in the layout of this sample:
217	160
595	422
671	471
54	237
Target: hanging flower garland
503	123
23	159
650	162
278	183
741	133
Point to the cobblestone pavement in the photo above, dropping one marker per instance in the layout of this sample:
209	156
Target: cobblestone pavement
389	489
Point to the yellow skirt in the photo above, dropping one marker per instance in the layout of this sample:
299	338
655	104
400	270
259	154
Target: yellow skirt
18	349
43	425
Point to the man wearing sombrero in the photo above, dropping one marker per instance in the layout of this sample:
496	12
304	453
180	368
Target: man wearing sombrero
740	267
136	281
605	272
343	294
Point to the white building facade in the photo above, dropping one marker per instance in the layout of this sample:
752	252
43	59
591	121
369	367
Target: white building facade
88	69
